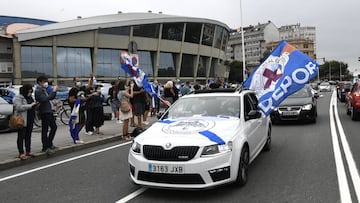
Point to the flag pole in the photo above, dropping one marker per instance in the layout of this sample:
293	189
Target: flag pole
242	41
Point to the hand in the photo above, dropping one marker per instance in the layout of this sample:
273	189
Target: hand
55	88
34	104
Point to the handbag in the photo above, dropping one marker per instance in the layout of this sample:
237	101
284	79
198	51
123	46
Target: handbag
124	106
16	121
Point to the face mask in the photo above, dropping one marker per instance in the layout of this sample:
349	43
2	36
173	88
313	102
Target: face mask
46	84
78	84
99	91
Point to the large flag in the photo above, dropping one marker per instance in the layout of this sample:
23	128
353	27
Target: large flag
283	73
130	64
74	121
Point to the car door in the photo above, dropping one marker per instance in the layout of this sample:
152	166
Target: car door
255	127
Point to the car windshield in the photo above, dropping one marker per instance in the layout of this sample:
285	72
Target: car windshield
304	92
325	84
226	107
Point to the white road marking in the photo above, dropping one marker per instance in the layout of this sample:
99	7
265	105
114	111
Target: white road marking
132	195
348	155
62	162
340	169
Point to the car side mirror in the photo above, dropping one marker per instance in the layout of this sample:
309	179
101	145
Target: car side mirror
253	114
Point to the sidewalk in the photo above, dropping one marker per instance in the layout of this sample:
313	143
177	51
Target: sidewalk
8	149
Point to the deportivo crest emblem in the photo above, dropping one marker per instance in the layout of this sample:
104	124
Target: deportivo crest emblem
188	126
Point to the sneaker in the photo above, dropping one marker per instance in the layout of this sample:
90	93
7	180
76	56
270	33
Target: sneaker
79	142
89	133
145	122
50	151
119	121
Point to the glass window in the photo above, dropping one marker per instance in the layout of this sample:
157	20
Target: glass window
218	36
201	72
187	66
116	30
108	64
172	31
73	62
146	62
193	31
208	34
36	61
225	40
150	30
214	63
166	65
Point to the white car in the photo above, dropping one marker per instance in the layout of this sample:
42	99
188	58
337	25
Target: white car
325	87
203	140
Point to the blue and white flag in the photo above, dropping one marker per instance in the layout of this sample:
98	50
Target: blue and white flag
130	64
74	121
283	73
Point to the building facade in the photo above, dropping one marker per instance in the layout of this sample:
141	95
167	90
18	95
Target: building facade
169	47
297	33
255	40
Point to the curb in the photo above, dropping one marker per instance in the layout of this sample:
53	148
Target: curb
60	151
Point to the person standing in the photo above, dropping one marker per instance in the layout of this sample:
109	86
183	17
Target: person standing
125	94
78	91
139	104
24	105
47	113
114	102
98	110
186	89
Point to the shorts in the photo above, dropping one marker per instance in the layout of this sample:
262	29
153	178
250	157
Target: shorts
115	105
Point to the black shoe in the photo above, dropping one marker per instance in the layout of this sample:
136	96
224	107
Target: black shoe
43	150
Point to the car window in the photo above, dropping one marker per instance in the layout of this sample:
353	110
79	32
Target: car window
205	106
304	92
249	105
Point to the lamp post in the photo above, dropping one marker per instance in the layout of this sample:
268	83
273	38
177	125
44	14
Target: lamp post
318	75
242	42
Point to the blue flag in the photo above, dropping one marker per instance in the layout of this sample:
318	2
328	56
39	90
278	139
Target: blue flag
130	64
283	73
74	121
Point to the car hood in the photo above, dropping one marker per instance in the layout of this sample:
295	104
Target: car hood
199	131
294	101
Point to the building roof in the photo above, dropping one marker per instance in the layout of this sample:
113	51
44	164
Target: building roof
7	20
107	21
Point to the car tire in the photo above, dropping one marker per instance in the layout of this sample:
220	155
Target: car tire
242	175
353	114
267	145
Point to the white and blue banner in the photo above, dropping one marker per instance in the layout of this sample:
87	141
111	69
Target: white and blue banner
130	64
74	121
283	73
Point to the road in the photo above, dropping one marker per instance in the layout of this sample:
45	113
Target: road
307	163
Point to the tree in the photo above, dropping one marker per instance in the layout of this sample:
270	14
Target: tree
334	68
236	72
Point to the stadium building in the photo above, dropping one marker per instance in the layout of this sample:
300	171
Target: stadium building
169	47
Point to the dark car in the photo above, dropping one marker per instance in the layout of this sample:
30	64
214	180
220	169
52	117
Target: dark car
302	105
342	89
5	113
353	101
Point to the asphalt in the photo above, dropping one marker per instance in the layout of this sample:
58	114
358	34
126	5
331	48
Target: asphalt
112	132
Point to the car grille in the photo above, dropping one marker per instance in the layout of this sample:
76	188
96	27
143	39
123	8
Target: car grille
290	108
158	153
170	178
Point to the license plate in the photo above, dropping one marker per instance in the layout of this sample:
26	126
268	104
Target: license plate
290	113
161	168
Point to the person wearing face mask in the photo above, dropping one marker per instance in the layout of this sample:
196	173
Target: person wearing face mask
24	104
78	91
46	113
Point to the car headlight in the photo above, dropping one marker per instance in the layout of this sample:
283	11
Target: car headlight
136	147
217	148
307	107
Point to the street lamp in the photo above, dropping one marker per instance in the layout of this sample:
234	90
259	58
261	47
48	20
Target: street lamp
318	75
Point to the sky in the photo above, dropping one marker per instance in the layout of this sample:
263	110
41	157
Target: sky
337	22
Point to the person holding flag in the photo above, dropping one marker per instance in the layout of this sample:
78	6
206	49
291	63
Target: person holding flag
283	73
